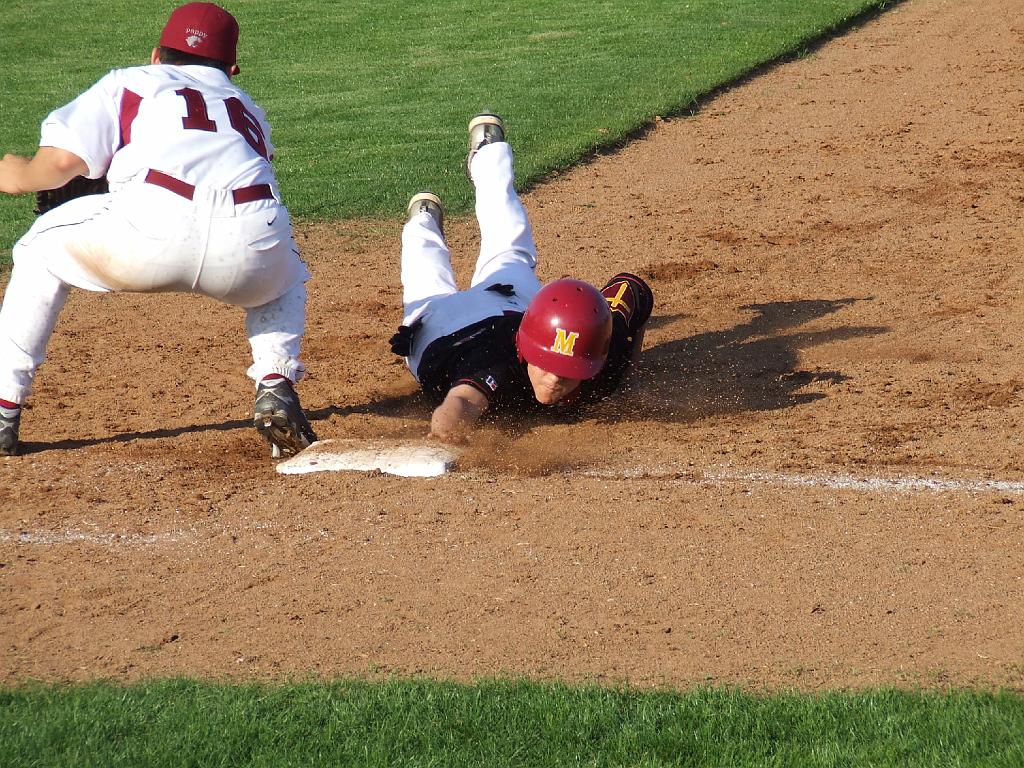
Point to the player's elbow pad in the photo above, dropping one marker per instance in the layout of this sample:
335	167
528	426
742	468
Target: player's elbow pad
631	298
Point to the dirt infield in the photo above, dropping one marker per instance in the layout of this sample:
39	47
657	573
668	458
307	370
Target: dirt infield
816	481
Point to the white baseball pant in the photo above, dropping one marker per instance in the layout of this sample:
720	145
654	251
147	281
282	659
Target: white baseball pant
508	255
144	238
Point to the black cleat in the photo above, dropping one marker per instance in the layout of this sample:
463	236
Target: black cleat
484	129
9	421
279	418
427	202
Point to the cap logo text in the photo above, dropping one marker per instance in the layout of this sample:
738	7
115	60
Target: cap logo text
193	37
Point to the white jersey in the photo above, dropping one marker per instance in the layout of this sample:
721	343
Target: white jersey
189	122
193	207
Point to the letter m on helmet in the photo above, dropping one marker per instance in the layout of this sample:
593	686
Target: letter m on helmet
545	341
564	341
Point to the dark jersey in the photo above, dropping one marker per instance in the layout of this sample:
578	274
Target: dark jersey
484	356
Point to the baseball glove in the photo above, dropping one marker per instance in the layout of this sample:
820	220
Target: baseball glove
401	342
80	186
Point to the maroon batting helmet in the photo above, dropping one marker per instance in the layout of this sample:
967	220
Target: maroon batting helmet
566	330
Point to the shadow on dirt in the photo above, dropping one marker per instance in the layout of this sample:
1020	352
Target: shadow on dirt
26	448
752	367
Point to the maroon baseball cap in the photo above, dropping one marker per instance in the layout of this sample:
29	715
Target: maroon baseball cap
203	29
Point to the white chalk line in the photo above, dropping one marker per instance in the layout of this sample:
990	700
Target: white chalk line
50	538
835	481
418	460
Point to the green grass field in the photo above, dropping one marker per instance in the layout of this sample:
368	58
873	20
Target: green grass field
499	723
369	100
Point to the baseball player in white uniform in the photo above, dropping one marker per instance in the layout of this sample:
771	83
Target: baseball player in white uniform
193	206
507	342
